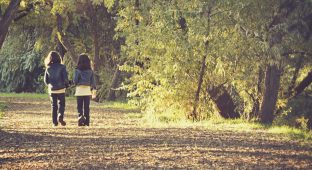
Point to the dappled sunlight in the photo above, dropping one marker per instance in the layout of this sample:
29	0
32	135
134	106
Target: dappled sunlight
119	138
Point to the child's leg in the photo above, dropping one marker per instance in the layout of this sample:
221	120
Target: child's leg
80	110
53	99
87	109
61	99
80	105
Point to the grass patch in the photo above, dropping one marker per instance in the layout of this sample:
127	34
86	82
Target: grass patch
293	133
135	115
105	104
236	125
30	95
25	95
2	108
118	105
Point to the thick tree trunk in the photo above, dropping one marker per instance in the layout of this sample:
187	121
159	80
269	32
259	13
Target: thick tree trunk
272	84
63	39
224	102
303	84
114	85
7	19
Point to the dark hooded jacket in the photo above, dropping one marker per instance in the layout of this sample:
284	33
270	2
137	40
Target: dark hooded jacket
56	76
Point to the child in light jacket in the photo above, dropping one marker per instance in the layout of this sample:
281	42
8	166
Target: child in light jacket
84	79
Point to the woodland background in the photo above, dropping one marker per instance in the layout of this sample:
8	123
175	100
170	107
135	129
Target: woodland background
175	59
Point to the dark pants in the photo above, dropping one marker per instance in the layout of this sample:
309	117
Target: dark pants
83	107
58	106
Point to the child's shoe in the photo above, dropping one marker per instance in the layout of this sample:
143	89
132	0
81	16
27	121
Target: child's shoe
81	121
63	123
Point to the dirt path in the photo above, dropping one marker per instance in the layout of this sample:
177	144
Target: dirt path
114	141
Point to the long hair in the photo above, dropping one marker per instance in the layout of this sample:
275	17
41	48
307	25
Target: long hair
84	62
52	58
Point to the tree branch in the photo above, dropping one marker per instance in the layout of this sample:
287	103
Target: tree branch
0	13
63	39
303	84
23	13
7	18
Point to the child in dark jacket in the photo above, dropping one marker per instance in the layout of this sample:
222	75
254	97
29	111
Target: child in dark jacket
56	79
85	87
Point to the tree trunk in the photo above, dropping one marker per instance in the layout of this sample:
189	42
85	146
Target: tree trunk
272	84
256	97
294	78
60	48
200	81
303	84
95	37
7	19
63	39
194	113
309	123
114	85
255	108
224	102
260	81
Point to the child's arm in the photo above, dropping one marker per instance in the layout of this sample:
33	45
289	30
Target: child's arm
65	76
75	80
93	83
93	86
46	77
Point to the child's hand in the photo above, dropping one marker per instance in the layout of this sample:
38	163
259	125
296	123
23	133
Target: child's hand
93	94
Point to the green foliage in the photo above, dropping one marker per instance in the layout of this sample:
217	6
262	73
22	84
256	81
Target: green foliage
296	112
172	57
21	63
165	59
163	47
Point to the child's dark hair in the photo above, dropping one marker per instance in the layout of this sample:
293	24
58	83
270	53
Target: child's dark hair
84	62
52	58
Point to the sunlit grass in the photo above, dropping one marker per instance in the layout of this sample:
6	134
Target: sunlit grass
2	107
31	95
118	105
180	121
104	104
217	123
135	115
25	95
213	123
293	133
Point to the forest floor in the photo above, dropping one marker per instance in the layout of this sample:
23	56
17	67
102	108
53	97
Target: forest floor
116	140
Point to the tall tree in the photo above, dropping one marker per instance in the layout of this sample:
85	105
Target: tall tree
277	30
6	19
194	114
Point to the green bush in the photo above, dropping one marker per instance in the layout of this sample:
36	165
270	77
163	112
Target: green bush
21	63
296	113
